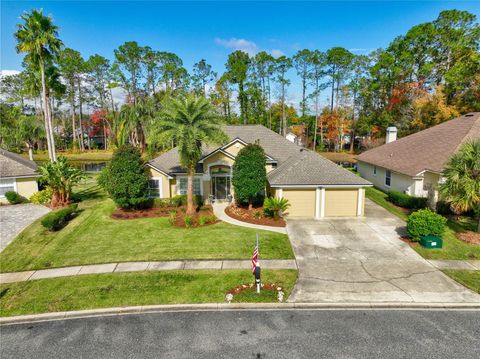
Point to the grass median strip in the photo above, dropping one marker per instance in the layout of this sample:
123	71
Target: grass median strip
468	278
129	289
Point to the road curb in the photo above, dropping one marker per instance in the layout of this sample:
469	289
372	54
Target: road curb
33	318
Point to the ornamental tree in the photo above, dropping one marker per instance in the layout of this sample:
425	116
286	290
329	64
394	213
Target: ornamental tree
249	175
125	179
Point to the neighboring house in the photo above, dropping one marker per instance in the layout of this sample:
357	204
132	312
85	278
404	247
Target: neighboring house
314	186
17	174
414	164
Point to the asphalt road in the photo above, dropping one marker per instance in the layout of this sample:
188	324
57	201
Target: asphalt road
252	334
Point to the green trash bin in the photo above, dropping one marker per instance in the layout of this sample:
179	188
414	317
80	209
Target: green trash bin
431	242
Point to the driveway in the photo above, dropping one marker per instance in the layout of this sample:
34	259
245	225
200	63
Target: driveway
13	219
363	260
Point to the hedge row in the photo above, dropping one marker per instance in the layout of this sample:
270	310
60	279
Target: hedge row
425	223
406	201
56	220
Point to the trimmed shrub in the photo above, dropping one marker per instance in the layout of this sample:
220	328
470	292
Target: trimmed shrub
14	198
188	220
181	200
211	218
202	220
406	201
172	218
160	202
56	220
425	223
42	197
257	214
249	175
274	207
125	178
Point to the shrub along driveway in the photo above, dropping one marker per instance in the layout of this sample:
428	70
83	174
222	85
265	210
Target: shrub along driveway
13	219
363	260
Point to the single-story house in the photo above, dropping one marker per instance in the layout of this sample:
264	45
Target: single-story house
314	186
414	164
17	174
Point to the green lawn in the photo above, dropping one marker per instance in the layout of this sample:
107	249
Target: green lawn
128	289
453	248
94	237
468	278
93	155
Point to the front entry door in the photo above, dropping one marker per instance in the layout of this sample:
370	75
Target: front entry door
221	187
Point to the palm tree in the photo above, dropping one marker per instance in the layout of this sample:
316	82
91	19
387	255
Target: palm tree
461	187
190	123
37	37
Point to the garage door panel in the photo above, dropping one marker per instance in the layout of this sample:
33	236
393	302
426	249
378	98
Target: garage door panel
341	202
302	202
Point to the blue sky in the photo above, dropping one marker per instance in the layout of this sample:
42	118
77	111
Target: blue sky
211	30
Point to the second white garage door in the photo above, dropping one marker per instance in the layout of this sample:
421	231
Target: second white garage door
341	202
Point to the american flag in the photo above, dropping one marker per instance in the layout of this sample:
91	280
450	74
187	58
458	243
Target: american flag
255	257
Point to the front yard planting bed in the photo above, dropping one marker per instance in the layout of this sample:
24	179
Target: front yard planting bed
129	289
254	216
468	278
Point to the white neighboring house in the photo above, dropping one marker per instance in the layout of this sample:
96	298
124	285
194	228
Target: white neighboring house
294	138
17	174
414	164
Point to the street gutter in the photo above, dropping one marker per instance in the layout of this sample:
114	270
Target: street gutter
34	318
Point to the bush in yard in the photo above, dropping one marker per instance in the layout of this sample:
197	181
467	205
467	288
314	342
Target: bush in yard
202	220
42	197
249	175
14	198
181	200
188	220
274	207
425	223
125	178
56	220
406	201
172	218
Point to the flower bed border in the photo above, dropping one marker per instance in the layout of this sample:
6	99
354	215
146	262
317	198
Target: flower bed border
280	223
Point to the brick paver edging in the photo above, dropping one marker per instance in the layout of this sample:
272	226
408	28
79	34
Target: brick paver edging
142	266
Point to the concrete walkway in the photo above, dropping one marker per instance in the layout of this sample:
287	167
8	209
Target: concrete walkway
142	266
15	218
219	211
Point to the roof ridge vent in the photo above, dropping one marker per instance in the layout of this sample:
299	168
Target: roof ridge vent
469	115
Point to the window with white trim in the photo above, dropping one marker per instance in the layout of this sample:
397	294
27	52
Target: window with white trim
388	178
154	187
374	170
6	185
182	185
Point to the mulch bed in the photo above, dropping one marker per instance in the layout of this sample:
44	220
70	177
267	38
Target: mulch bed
142	213
469	237
245	215
264	286
165	212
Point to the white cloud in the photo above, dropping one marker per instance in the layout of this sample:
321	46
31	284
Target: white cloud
8	72
249	47
277	53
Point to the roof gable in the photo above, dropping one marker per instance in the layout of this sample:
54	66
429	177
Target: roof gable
429	149
13	165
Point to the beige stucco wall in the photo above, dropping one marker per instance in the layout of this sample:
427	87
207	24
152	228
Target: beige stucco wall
341	202
234	148
302	202
165	183
430	187
27	186
219	159
399	182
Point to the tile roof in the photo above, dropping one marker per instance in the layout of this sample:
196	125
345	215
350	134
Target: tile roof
296	165
309	168
429	149
13	165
